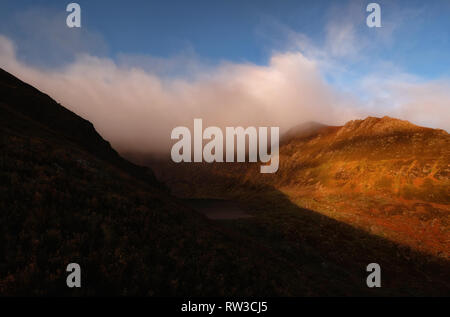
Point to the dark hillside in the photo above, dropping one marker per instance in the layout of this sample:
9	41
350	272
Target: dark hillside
66	196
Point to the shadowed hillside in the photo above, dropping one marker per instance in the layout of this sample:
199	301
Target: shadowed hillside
23	101
66	196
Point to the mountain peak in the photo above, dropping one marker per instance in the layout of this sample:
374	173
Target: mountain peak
377	126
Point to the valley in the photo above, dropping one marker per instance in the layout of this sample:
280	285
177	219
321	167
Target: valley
66	196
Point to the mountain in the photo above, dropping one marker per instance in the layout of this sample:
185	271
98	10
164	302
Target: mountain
66	196
386	176
23	102
383	174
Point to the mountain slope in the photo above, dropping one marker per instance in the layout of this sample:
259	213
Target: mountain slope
387	175
23	101
66	196
384	175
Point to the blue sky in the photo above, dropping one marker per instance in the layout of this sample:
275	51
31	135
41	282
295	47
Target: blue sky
240	31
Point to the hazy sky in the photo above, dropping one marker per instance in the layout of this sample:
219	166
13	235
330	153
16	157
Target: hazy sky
136	69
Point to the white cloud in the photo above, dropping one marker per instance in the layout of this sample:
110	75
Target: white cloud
137	109
405	96
135	105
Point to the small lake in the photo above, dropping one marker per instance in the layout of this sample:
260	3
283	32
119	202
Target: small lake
217	209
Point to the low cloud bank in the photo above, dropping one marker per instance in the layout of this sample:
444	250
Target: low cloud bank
136	109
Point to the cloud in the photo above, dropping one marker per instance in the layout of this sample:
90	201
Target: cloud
137	109
428	103
408	97
135	101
